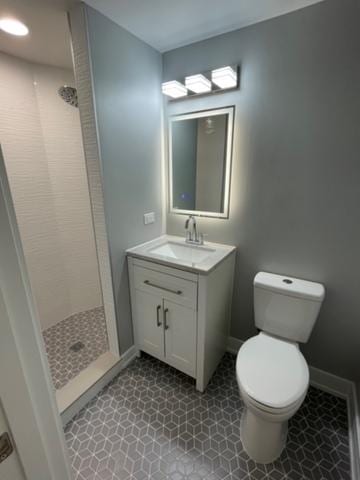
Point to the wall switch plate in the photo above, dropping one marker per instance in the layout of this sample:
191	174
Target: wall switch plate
149	218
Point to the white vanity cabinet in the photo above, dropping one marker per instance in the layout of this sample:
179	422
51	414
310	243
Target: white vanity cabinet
164	311
180	337
182	316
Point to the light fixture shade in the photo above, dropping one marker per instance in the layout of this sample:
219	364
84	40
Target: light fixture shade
174	89
225	77
198	83
13	26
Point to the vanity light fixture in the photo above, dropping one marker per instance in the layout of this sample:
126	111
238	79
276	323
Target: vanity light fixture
225	77
13	26
174	89
198	83
209	82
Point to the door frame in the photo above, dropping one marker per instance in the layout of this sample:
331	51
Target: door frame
27	394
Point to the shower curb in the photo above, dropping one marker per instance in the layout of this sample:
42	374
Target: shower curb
90	393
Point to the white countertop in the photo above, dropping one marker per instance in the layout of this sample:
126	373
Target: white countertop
196	258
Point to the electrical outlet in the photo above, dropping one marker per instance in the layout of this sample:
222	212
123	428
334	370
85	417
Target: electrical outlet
149	218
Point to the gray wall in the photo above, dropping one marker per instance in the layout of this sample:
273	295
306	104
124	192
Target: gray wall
295	197
126	80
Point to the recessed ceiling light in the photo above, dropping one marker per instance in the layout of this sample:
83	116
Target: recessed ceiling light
13	26
224	77
174	89
198	83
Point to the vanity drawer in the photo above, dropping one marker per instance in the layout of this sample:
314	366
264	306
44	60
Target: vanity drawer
178	290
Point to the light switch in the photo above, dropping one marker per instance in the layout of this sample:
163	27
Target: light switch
149	218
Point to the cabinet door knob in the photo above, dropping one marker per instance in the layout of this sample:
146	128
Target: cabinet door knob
158	323
166	326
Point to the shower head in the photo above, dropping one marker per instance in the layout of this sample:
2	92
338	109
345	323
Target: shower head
69	95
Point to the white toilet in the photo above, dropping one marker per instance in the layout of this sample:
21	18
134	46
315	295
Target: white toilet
272	374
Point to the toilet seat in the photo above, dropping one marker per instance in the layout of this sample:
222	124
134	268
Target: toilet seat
272	372
269	413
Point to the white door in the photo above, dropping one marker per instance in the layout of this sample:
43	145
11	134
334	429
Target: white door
10	467
28	406
149	322
180	337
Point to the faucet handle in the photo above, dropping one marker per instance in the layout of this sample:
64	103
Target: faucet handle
201	238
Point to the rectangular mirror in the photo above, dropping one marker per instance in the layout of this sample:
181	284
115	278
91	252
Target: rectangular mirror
200	150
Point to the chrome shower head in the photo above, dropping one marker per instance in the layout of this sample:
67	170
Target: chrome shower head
69	95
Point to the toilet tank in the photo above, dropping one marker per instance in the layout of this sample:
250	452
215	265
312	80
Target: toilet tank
286	307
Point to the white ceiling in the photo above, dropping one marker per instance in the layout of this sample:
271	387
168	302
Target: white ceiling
164	24
167	24
49	39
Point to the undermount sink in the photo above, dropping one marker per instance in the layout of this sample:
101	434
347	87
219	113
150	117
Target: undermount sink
174	251
185	252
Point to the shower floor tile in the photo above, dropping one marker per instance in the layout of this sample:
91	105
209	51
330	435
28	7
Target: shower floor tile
86	332
151	423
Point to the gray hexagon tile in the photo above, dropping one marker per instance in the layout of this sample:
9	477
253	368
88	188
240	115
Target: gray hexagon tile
151	423
86	331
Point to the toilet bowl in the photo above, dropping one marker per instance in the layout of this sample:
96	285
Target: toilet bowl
271	372
273	379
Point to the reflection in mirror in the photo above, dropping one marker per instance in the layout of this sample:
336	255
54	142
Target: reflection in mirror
200	158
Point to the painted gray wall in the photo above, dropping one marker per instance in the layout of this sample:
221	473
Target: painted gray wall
295	196
126	81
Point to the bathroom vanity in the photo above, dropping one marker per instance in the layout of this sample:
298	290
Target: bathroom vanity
181	303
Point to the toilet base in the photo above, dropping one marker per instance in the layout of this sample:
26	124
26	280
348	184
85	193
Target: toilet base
262	440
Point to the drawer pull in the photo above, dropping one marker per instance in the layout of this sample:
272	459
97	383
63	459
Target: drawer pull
166	326
177	292
158	323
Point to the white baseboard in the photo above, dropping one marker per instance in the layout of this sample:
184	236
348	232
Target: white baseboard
96	387
339	387
233	345
128	356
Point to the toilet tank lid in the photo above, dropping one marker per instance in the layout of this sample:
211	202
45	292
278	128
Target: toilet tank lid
293	287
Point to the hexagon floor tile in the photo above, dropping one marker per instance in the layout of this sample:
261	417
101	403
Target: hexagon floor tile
89	328
151	423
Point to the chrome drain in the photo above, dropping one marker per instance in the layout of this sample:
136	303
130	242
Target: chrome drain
76	347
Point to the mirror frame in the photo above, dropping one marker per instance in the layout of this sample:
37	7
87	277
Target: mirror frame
230	111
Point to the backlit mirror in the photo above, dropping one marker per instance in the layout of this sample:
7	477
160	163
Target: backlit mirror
200	149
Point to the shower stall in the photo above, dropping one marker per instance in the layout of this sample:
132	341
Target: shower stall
41	146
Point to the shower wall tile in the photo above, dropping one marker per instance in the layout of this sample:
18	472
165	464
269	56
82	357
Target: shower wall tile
56	233
60	123
26	165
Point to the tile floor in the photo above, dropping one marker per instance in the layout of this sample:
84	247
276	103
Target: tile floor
150	423
88	327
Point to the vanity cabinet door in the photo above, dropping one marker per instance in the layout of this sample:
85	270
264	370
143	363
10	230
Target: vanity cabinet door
149	324
180	327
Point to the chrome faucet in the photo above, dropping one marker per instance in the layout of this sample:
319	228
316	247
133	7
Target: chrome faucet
192	236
